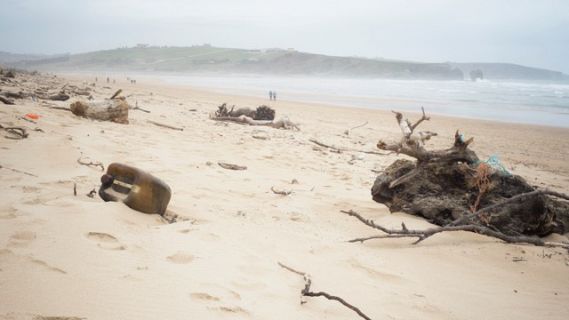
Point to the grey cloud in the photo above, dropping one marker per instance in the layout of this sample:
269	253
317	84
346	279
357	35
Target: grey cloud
527	32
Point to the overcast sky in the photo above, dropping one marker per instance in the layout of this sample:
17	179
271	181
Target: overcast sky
529	32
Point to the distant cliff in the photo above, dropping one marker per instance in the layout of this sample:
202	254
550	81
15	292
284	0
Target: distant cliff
208	59
508	71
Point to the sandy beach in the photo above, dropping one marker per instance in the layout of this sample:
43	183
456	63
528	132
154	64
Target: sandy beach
76	257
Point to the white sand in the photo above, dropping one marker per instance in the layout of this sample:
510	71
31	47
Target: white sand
75	256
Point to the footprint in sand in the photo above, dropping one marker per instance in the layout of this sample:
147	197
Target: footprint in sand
384	276
181	258
12	260
216	303
234	309
30	189
203	296
105	241
21	238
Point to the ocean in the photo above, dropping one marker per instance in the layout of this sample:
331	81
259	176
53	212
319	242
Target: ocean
515	102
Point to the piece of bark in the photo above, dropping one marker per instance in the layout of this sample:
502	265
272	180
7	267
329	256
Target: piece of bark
230	166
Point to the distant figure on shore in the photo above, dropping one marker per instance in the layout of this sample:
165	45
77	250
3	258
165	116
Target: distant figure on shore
108	79
274	95
270	95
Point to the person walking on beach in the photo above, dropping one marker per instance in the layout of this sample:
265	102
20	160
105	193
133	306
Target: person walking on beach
270	95
275	95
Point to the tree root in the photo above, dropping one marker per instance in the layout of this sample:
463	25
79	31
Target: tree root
426	233
468	217
305	292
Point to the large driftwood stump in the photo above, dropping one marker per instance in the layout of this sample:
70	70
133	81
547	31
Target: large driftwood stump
261	113
262	116
453	187
115	110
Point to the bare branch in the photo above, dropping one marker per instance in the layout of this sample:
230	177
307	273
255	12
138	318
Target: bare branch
230	166
116	94
165	125
426	233
59	108
346	149
423	118
347	132
413	148
306	292
281	192
139	108
18	171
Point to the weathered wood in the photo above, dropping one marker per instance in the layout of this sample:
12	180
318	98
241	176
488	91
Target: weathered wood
62	96
261	113
423	234
322	144
116	94
115	110
6	100
279	124
17	132
307	292
164	125
445	186
230	166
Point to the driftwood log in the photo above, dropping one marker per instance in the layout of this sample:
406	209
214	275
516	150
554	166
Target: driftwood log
115	110
453	187
261	113
279	124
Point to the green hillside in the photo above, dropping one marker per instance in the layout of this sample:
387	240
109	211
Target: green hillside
208	59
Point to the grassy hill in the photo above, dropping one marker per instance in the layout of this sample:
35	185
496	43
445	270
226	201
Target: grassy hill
208	59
